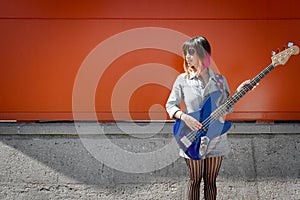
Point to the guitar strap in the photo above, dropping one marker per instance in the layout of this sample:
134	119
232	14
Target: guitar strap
220	82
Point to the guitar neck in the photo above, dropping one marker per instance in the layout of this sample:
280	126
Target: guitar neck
238	95
220	111
279	59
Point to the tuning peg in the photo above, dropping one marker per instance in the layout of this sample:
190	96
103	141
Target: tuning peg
273	53
290	44
278	50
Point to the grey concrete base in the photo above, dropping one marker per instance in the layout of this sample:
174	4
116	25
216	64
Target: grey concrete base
50	161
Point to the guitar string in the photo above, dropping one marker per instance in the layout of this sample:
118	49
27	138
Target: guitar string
222	109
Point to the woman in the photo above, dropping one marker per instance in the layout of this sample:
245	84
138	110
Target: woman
193	87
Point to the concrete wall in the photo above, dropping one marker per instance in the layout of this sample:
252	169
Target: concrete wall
53	161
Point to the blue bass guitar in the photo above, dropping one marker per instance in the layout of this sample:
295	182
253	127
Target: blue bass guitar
195	143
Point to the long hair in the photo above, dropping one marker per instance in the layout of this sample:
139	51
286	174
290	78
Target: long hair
203	50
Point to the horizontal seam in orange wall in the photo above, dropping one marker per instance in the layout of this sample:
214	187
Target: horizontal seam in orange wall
165	19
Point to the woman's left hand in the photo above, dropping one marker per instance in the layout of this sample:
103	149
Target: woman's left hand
245	83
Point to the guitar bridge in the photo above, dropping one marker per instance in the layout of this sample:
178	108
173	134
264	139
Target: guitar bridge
186	141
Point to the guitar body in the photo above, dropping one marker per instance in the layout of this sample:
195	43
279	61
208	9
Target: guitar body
189	141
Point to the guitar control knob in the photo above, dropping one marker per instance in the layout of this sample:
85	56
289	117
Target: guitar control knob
290	44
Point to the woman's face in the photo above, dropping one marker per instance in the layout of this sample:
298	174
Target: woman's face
192	59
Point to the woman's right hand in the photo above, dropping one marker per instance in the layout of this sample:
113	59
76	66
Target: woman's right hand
191	122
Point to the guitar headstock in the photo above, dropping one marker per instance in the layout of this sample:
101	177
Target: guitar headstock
282	57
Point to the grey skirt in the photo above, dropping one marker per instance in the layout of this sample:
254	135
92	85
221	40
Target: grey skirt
218	146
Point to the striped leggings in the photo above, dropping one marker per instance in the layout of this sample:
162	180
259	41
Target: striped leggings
210	173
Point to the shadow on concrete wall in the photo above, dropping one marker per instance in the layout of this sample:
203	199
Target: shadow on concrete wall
64	158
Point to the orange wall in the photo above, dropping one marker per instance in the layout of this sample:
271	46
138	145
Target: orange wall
44	45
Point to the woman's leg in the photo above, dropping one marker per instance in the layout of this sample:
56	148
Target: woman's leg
211	170
195	170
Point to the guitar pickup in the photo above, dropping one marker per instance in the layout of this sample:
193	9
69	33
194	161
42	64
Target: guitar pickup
186	141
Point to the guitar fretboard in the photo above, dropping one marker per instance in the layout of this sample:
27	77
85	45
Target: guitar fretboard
238	95
223	109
